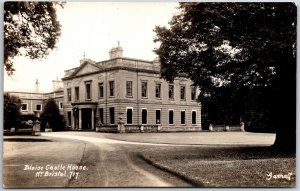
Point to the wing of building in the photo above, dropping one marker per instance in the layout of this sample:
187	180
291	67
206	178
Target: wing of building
100	94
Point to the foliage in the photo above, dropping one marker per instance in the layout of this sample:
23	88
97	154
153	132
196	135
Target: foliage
30	29
52	116
246	47
12	105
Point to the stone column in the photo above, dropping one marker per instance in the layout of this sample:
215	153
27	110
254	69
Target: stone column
242	126
80	122
73	118
93	120
210	128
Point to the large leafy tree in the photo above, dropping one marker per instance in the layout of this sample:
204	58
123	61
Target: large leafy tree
51	116
245	47
30	29
12	105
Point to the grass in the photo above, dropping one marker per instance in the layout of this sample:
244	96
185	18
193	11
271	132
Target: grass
225	166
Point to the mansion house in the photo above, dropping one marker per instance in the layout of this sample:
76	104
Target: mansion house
97	95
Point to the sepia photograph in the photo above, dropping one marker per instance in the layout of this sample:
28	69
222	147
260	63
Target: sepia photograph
149	94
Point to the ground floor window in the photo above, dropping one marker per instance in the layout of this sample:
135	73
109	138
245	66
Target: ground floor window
182	117
69	118
129	115
112	115
194	116
101	115
24	107
171	117
144	116
157	114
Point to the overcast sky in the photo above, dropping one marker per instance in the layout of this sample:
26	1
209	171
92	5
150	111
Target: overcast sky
93	28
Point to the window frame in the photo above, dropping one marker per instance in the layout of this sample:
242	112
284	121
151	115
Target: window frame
69	94
130	88
129	108
173	114
77	95
182	117
144	109
182	87
88	83
145	88
35	109
193	93
172	97
194	111
26	107
158	96
111	88
101	90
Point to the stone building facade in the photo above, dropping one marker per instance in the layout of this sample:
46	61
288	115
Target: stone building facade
33	102
98	94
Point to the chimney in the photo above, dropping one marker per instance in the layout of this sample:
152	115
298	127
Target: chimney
116	52
56	84
37	86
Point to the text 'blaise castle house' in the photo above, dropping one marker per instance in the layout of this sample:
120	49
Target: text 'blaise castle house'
100	94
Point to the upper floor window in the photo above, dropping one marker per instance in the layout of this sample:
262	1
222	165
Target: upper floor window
111	88
129	88
24	107
60	105
101	90
171	91
88	90
144	89
182	92
76	93
157	90
193	93
38	107
69	94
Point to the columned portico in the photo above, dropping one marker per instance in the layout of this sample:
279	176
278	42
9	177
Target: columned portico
86	115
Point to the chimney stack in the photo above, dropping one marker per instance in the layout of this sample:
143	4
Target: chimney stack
37	86
116	52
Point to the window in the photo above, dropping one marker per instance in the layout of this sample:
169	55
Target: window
69	118
129	88
144	116
144	89
193	93
111	88
182	117
129	115
101	90
38	107
157	90
88	90
171	117
101	115
157	116
182	92
76	93
171	91
60	105
194	116
24	107
69	94
112	115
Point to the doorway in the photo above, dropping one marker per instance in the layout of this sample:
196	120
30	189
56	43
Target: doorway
86	118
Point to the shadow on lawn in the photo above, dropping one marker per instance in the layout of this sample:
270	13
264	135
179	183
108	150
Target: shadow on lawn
19	139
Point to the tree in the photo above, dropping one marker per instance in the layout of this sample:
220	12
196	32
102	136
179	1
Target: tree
52	116
12	105
242	46
30	29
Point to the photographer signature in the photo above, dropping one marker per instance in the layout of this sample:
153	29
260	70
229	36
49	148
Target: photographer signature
279	176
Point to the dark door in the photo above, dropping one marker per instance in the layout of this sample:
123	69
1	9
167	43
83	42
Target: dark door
86	119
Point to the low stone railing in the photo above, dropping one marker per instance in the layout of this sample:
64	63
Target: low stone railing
107	128
240	127
141	128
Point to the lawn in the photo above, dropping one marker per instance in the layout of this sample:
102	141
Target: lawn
226	166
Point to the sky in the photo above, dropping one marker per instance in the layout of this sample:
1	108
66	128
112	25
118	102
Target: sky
92	29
